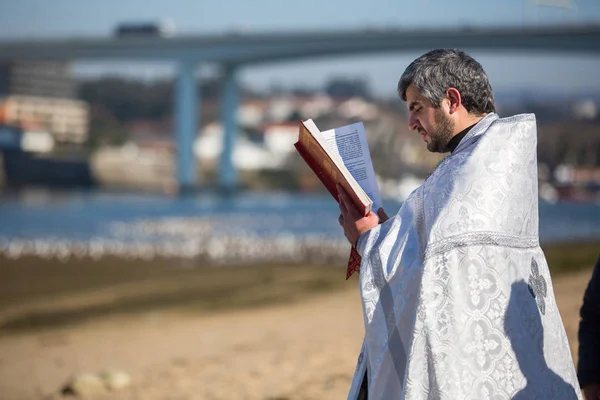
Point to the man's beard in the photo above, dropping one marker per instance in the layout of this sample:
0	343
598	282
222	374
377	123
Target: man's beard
444	129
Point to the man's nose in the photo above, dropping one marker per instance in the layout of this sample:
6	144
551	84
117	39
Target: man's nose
413	123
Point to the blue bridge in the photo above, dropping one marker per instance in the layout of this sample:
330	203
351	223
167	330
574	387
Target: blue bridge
232	52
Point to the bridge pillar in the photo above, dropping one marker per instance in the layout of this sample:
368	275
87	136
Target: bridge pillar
229	106
186	106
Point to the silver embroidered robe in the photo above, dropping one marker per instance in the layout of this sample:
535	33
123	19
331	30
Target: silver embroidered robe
457	297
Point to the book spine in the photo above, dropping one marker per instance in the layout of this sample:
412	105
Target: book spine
329	185
354	259
326	179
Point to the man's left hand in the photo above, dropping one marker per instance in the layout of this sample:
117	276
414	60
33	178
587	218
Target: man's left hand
353	222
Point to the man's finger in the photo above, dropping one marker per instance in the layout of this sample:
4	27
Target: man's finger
342	207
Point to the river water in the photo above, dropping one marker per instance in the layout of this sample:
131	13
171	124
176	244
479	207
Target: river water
244	227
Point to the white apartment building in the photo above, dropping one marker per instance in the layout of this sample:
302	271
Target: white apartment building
65	119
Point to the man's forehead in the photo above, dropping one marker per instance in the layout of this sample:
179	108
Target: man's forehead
413	94
414	98
412	101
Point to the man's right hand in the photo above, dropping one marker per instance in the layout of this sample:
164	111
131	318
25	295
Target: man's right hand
351	220
592	391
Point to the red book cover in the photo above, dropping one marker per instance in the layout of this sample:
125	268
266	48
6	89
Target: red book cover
320	163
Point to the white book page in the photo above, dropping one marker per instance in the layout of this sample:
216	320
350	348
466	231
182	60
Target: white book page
349	143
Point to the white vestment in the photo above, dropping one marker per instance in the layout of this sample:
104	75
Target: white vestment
457	297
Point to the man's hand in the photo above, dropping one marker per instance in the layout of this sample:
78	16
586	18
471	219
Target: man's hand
592	391
353	223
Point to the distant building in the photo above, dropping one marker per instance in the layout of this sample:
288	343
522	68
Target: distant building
40	96
37	78
65	119
279	138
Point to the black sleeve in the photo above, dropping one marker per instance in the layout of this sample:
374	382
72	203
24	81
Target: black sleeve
588	367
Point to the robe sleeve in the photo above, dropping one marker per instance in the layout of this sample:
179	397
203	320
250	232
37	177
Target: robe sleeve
361	244
382	246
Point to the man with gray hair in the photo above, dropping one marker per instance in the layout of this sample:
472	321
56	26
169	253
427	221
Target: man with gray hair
457	297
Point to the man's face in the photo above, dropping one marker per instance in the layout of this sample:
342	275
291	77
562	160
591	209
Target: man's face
433	124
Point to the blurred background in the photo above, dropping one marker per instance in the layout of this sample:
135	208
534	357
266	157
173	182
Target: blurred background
160	238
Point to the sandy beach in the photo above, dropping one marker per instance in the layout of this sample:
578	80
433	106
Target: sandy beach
291	333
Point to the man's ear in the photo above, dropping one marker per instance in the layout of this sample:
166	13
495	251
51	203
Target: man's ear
453	96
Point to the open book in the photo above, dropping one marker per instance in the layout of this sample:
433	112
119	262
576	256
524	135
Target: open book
341	156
